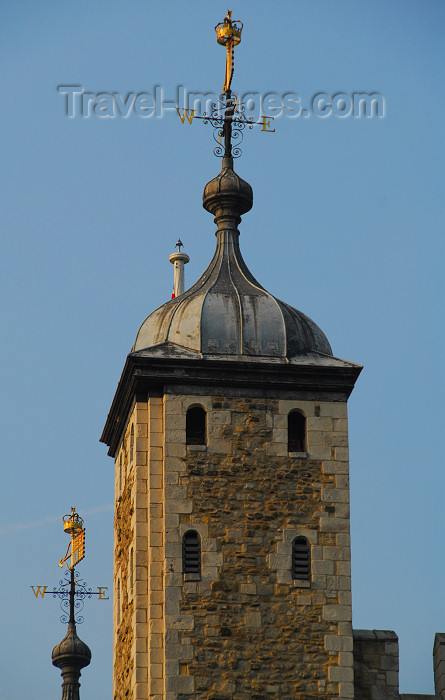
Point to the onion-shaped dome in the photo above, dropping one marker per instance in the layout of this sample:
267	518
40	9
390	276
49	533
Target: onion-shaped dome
227	312
71	650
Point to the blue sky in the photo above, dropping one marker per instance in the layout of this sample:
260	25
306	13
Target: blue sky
347	226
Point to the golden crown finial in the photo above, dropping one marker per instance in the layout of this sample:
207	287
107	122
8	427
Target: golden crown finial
228	34
73	523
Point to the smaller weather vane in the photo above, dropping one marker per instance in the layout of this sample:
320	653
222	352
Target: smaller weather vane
72	590
227	116
71	655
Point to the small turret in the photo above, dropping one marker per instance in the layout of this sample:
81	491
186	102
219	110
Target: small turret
178	260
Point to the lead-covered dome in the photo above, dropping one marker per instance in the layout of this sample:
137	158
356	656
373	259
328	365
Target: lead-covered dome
227	312
71	650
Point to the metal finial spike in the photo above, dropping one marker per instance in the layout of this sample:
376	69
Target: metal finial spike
179	244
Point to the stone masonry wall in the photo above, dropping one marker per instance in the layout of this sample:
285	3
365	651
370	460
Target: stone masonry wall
376	665
131	638
245	630
123	539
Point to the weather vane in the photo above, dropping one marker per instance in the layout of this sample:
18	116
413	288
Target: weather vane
71	654
227	116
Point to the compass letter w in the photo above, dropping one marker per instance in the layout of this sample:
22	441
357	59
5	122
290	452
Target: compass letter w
185	114
39	591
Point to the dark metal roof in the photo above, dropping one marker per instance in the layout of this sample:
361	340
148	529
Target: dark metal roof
227	312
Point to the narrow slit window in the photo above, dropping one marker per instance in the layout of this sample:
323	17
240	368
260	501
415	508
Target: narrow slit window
131	570
131	443
118	611
191	553
301	559
120	474
296	432
196	428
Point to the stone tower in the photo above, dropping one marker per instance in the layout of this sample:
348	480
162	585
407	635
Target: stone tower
230	440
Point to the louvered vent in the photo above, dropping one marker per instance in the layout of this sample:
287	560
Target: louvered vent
191	553
301	559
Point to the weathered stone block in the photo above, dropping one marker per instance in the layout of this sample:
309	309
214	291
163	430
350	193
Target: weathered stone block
174	449
343	568
212	558
180	622
155	453
320	452
334	409
141	458
335	613
173	405
156	441
141	674
183	684
345	598
341	453
156	510
341	674
304	600
335	439
171	667
335	467
322	567
178	506
346	691
324	424
253	619
330	495
277	449
334	553
339	643
175	492
315	437
334	524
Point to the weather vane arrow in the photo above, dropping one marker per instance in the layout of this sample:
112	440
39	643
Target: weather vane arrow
228	117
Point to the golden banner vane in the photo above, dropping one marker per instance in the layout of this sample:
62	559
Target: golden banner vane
228	34
73	525
76	550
